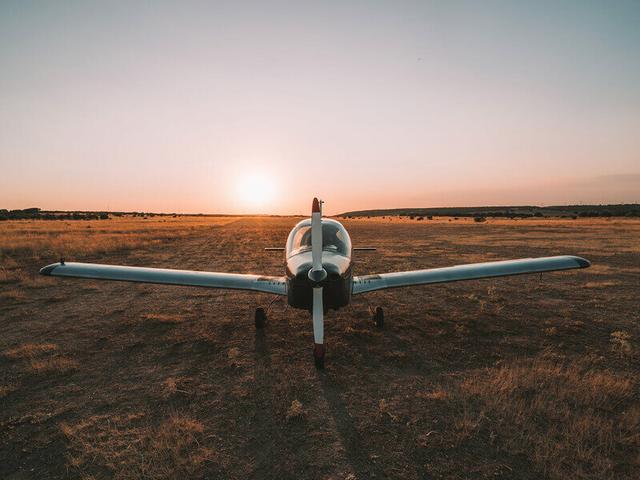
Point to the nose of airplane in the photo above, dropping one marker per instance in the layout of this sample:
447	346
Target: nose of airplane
334	265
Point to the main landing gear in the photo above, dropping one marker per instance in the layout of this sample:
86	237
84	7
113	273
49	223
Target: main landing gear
260	318
378	317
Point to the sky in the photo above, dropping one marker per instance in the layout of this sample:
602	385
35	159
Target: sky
257	107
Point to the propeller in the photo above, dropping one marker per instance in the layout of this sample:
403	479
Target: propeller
317	274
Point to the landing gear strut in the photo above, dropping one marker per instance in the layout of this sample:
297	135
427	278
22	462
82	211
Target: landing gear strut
318	355
261	318
378	317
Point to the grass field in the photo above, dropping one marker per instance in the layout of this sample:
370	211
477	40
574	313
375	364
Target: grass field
522	378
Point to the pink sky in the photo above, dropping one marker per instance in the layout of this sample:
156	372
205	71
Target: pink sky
153	107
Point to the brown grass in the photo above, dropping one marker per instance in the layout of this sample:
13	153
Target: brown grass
6	390
522	377
50	239
30	350
604	284
439	394
13	294
131	448
563	416
621	343
17	275
162	317
42	358
173	385
53	365
295	410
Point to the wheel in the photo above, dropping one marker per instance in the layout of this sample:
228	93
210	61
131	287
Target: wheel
378	317
261	318
318	355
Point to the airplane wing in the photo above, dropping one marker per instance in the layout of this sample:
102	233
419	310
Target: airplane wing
192	278
471	271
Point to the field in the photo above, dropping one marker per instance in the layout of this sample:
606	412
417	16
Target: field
522	378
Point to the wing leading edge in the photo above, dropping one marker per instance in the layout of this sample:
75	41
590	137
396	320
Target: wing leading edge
267	284
471	271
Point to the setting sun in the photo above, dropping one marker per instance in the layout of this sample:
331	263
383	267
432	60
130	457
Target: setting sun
256	191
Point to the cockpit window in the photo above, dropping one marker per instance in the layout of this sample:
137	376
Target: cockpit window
334	239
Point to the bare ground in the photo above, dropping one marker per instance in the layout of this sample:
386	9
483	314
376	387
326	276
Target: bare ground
522	377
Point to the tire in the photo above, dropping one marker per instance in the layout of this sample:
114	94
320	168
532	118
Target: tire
260	318
378	317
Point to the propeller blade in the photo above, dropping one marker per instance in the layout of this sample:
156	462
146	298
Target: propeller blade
318	328
318	317
316	236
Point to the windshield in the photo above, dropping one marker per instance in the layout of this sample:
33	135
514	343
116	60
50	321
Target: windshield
334	238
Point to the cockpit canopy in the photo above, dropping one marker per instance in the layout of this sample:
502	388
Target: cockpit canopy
334	238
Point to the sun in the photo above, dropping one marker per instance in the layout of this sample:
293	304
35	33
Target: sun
256	191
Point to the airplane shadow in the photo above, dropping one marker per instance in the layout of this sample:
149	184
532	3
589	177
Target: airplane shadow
356	451
261	348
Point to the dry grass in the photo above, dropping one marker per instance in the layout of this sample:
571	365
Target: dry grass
56	364
604	284
173	385
13	294
295	410
524	377
130	447
43	358
6	390
438	394
51	239
30	350
162	318
17	275
563	416
621	343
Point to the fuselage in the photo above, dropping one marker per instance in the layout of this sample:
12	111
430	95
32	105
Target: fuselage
336	260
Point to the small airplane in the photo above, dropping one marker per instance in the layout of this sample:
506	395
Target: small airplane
319	274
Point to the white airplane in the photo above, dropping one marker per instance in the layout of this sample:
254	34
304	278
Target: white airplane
319	274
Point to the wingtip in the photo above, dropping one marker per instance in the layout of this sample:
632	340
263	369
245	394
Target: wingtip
315	207
48	269
583	262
